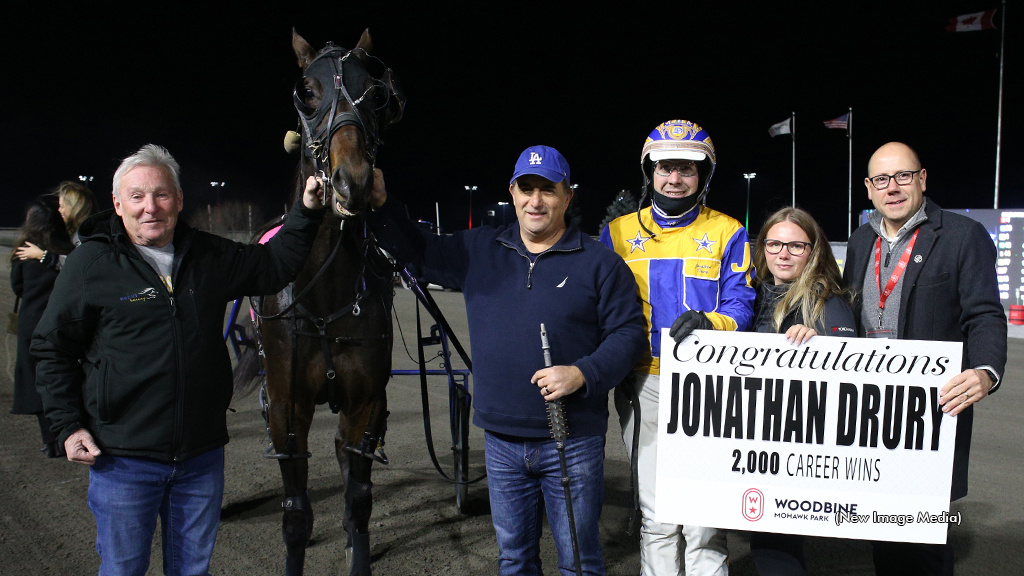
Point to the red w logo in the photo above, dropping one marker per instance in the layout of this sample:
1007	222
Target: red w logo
752	508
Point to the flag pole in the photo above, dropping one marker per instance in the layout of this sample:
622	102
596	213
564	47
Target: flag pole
999	116
849	175
792	135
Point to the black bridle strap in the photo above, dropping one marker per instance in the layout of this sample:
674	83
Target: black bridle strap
295	301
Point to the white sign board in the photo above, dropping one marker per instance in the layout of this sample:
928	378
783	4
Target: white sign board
839	437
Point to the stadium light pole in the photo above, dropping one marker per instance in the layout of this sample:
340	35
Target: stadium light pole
502	204
470	189
749	177
218	186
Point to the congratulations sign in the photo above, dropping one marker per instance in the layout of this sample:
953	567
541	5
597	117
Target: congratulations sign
838	437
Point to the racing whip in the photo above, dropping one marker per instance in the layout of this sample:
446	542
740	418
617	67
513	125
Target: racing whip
560	433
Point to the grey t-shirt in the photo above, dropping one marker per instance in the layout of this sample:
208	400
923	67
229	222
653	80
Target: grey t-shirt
162	260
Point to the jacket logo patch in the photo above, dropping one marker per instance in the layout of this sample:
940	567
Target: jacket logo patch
147	294
562	283
847	329
918	259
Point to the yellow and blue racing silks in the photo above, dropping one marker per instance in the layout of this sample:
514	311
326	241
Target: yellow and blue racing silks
701	263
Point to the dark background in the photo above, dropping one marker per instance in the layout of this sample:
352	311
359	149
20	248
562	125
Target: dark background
84	87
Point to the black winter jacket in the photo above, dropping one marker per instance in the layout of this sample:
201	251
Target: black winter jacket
155	377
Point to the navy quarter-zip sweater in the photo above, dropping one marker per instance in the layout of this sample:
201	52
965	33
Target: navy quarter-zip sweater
583	293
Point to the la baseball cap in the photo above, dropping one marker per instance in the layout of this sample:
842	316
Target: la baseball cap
543	161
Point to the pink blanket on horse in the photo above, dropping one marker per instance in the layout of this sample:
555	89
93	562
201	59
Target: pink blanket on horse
263	240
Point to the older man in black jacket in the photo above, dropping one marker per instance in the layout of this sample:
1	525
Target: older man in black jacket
133	369
924	274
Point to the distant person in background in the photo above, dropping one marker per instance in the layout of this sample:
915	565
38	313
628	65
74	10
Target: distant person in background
75	203
800	293
32	280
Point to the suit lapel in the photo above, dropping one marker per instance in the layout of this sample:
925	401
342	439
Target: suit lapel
858	255
929	233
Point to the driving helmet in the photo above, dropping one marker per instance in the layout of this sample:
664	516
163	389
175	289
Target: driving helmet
680	140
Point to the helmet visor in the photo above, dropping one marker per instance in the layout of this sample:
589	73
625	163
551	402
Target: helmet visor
677	154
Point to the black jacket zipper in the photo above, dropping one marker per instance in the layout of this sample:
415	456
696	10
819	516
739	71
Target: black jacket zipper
179	355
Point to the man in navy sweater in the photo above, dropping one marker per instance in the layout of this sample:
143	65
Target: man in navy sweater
538	270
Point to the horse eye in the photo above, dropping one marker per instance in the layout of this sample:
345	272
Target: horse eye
380	97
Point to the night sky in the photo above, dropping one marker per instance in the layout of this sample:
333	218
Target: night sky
83	88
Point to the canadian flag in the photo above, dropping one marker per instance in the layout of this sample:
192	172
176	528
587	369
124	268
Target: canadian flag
972	22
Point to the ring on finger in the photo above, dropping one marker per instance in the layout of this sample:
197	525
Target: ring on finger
546	391
966	396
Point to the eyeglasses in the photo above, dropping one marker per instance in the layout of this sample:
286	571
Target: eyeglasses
795	248
902	178
666	170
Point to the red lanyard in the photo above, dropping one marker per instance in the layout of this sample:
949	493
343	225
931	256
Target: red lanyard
901	267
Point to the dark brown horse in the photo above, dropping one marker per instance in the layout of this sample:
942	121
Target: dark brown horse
327	337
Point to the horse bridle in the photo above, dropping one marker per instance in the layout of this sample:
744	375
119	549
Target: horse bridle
328	67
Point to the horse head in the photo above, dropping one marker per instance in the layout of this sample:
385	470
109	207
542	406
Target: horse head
342	110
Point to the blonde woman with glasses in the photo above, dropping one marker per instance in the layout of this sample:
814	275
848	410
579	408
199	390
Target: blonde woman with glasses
800	293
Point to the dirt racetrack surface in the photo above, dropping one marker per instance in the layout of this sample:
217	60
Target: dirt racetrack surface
47	529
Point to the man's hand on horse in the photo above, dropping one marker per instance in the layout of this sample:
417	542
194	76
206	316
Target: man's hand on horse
558	381
379	194
81	448
313	196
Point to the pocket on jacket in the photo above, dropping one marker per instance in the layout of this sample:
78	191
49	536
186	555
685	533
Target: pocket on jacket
102	388
926	281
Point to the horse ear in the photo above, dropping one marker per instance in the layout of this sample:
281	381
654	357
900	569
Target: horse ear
303	51
396	103
365	42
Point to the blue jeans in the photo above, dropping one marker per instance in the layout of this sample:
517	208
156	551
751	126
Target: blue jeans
127	494
524	478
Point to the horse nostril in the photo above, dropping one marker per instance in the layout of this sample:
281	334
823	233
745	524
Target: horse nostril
340	184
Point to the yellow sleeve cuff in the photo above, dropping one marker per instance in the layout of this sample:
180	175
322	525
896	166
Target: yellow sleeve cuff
721	321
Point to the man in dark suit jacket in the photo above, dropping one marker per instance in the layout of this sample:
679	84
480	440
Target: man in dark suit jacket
944	290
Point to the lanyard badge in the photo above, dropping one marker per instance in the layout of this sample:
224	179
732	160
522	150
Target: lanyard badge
894	278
